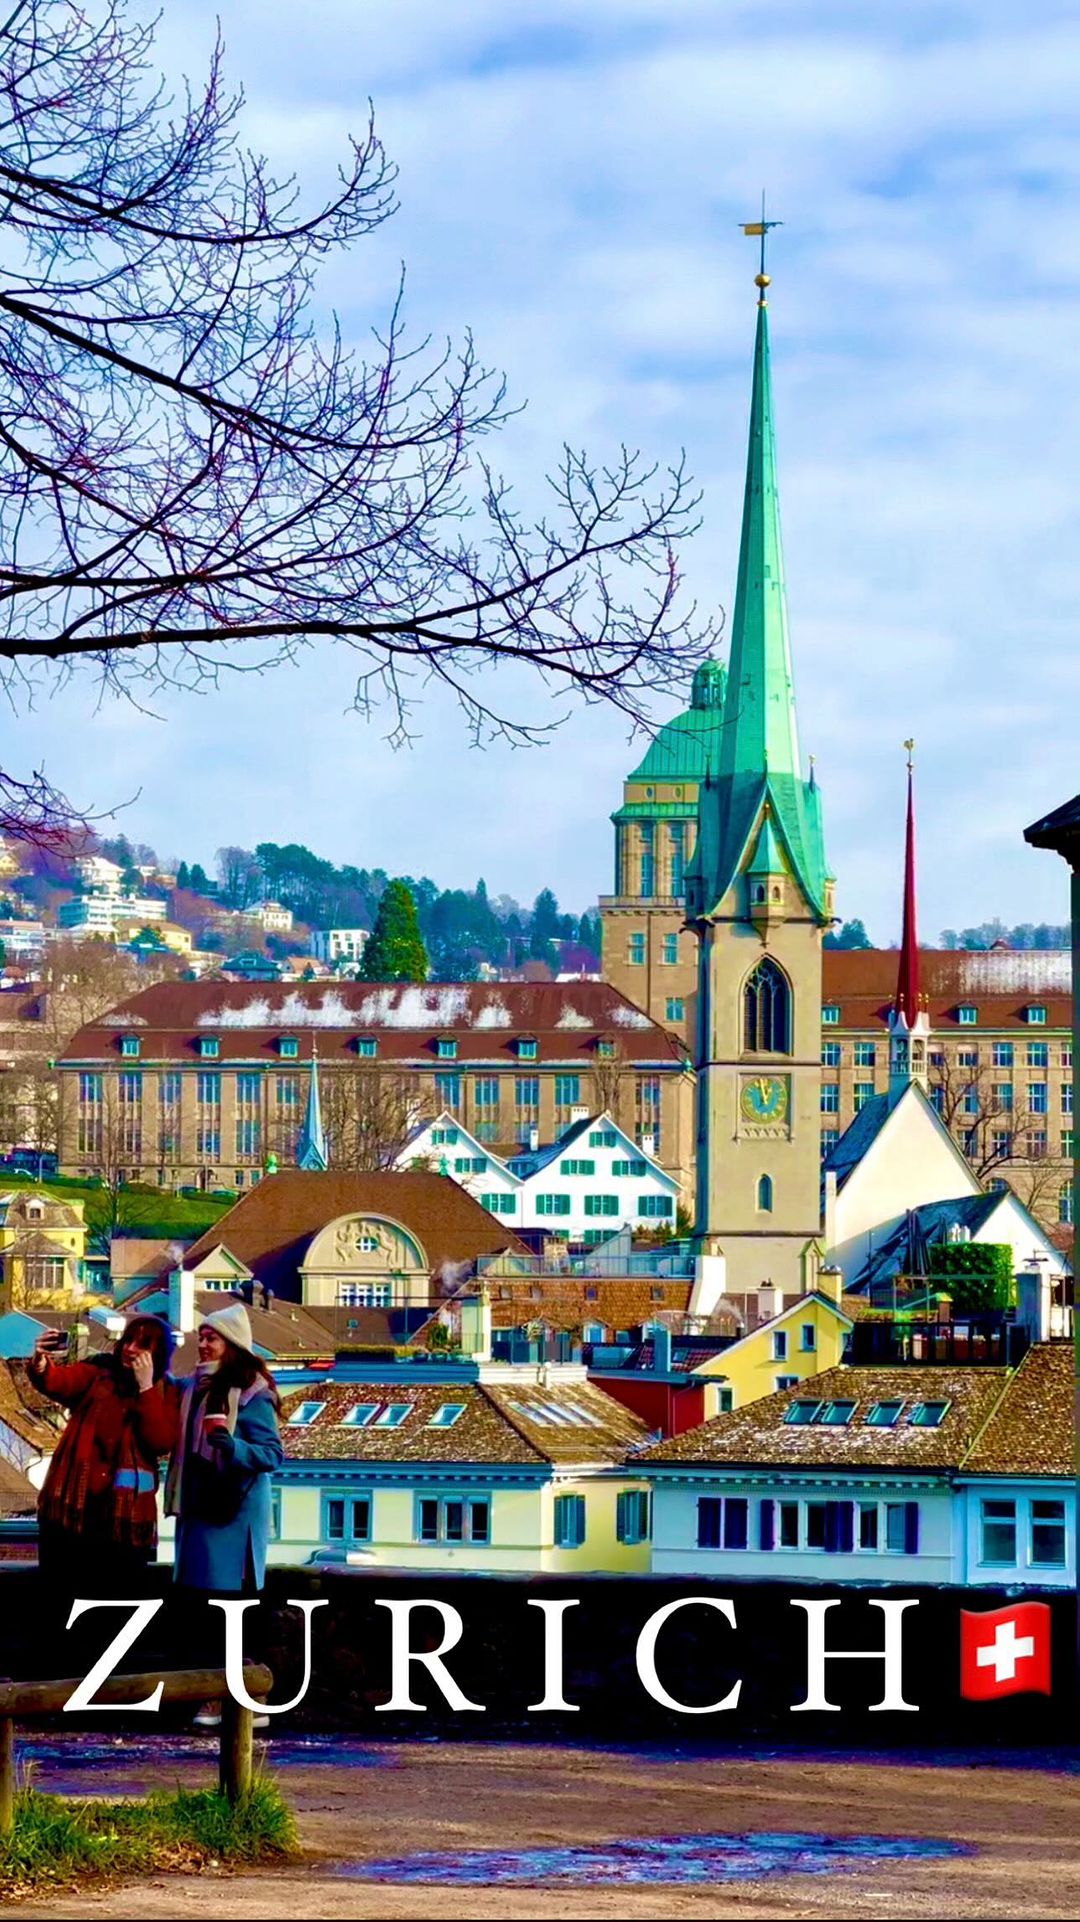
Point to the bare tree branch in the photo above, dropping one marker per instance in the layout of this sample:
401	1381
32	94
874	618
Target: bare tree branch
193	478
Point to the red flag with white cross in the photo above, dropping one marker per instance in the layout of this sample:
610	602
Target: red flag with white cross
1005	1651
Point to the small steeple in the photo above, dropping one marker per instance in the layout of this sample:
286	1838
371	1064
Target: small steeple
909	1023
311	1152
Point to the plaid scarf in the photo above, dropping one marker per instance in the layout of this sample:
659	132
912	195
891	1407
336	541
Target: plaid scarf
102	1483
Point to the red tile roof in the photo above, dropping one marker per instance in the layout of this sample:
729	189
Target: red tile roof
566	1019
1000	983
269	1228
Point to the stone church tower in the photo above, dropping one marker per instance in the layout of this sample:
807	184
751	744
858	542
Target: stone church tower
760	897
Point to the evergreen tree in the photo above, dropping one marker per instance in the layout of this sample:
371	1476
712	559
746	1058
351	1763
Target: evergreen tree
183	876
395	949
197	879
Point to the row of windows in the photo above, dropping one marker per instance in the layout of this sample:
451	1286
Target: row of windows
637	949
837	1527
649	1207
347	1518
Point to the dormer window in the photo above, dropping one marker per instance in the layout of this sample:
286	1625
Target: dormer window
967	1016
830	1015
366	1045
526	1048
129	1047
209	1047
1036	1015
446	1048
605	1047
288	1047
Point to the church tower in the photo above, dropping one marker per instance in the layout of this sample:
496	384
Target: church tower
909	1022
760	897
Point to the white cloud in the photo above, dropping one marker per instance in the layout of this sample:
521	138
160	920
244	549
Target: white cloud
570	183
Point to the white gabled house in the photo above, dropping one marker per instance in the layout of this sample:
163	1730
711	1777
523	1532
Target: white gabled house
594	1180
445	1147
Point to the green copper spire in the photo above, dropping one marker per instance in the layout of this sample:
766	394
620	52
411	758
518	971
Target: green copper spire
760	730
759	744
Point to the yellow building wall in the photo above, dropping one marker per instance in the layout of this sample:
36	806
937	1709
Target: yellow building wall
522	1528
750	1368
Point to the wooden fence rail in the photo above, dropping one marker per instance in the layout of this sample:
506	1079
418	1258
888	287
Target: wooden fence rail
27	1700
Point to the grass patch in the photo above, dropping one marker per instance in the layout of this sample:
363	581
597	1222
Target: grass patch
143	1210
57	1842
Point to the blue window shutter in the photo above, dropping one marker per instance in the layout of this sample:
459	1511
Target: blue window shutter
622	1517
708	1531
767	1523
735	1533
911	1528
845	1527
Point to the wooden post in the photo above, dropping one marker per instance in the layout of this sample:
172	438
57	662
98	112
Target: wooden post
7	1774
235	1753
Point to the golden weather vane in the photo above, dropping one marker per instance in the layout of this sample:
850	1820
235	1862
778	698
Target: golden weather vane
761	228
910	745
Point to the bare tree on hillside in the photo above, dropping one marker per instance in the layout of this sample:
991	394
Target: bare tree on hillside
187	465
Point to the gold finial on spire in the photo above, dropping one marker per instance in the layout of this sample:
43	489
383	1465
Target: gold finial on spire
910	745
761	228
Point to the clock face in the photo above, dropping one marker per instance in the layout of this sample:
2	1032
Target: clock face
765	1098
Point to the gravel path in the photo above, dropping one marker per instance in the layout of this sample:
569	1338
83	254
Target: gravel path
365	1803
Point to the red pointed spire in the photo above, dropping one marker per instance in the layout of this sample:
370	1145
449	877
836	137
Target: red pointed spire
907	982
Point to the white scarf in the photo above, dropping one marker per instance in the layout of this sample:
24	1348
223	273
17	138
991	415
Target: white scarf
200	1442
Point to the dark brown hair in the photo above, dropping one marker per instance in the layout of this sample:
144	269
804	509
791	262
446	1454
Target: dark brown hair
238	1369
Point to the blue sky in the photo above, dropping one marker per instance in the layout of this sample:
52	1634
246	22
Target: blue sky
571	179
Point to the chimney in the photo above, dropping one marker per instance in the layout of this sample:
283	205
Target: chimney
181	1301
647	1145
534	1140
578	1114
830	1282
770	1301
476	1325
661	1341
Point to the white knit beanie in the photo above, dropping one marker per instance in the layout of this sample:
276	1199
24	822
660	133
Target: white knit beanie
233	1323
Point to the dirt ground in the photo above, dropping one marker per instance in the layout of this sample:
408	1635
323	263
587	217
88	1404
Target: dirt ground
1023	1827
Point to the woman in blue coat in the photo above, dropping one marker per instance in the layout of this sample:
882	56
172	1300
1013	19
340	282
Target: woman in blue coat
219	1479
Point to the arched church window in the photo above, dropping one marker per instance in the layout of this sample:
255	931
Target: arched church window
764	1195
759	891
767	1010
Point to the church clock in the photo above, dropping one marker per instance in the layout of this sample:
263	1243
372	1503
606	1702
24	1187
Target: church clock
764	1099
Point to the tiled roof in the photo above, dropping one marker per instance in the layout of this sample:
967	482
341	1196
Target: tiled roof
1032	1429
270	1227
18	1496
567	1302
33	1417
758	1434
493	1428
131	1255
566	1019
1000	983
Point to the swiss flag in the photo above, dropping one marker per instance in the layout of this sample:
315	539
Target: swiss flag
1005	1651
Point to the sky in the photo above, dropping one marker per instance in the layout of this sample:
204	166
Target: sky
571	179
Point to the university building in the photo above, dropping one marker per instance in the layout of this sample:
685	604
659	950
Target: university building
199	1082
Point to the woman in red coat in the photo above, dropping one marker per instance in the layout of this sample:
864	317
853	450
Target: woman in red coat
97	1512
